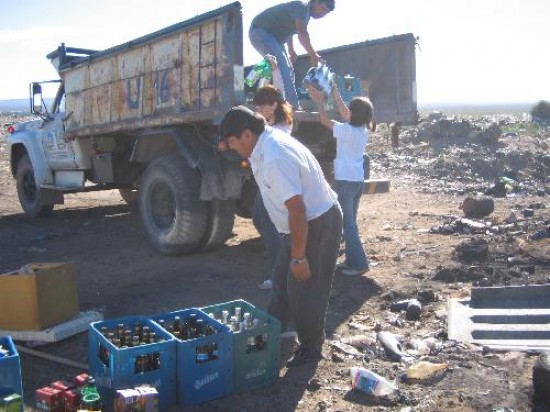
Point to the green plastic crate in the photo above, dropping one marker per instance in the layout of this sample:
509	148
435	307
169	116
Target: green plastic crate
253	367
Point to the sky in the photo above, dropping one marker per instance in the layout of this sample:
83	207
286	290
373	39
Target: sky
470	51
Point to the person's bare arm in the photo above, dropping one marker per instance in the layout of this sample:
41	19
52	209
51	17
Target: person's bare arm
297	223
303	37
319	97
291	52
342	108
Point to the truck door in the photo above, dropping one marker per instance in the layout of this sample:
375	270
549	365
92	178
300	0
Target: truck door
59	151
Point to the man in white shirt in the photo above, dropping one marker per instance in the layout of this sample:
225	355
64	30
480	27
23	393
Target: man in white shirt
305	210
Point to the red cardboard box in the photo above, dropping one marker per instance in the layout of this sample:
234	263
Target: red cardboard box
71	400
80	380
49	399
62	385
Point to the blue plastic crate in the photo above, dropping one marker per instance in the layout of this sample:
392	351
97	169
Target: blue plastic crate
200	378
254	366
10	369
117	368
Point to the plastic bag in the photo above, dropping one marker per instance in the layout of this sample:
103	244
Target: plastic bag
320	77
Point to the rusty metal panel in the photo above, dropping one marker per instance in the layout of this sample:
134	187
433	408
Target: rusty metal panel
98	99
148	95
166	59
75	80
127	89
100	73
168	77
191	70
75	117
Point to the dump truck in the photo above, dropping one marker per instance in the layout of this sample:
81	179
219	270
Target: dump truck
142	117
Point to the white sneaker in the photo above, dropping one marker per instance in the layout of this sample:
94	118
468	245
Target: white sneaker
267	284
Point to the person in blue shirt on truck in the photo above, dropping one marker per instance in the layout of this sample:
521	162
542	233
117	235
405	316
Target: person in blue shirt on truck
276	26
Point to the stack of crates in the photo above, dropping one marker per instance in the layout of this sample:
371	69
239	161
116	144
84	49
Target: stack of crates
11	386
255	350
204	363
116	368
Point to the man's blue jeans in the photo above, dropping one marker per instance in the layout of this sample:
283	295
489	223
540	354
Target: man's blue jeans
265	43
349	195
271	237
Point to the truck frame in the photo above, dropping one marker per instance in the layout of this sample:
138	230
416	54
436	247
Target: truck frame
143	117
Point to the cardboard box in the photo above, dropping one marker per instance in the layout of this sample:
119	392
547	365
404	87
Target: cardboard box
48	400
128	400
37	296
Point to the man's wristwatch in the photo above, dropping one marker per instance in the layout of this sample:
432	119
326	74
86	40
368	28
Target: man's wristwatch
298	260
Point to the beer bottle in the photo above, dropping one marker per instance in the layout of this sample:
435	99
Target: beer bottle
146	330
225	317
139	365
90	399
177	324
199	328
250	344
202	354
247	320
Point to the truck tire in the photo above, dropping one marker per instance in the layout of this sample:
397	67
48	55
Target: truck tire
131	197
221	218
30	195
172	214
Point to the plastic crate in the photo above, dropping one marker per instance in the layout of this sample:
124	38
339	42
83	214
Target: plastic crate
10	369
252	367
201	381
124	368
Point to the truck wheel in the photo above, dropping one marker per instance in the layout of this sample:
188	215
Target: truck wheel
221	218
131	197
173	216
30	195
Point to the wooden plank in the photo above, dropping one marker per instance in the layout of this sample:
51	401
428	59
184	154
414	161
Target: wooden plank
373	186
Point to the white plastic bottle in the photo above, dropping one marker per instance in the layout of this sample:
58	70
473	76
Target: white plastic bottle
370	382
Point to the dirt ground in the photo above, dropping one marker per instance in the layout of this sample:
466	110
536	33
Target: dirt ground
120	275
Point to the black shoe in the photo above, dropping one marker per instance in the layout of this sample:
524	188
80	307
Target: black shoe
304	356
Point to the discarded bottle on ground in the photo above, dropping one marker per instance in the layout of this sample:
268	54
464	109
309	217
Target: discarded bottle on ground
370	382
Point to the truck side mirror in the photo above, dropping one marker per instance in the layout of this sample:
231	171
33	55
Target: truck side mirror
36	98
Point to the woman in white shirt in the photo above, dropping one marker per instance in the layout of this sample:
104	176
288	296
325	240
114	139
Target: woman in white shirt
352	138
271	104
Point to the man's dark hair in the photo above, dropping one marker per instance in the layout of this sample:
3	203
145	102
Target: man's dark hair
361	112
330	4
239	119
